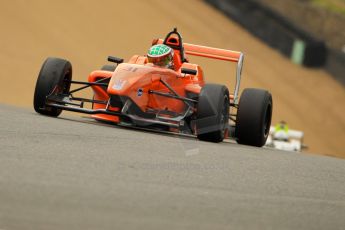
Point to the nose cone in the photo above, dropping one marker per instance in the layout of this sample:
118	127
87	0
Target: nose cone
128	78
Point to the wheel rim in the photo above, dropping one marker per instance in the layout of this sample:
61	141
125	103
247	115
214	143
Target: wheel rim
267	120
65	82
224	115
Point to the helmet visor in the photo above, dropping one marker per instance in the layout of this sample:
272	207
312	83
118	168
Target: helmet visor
164	61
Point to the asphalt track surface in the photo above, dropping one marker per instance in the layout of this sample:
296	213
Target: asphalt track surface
75	173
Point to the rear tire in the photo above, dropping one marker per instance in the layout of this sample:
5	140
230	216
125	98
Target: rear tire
52	77
253	118
212	113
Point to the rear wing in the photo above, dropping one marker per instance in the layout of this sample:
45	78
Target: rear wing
219	54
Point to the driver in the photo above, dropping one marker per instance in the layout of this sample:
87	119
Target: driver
161	55
281	131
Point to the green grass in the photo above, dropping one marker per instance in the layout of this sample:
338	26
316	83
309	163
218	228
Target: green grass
335	6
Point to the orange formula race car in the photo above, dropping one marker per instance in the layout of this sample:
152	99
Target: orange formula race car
161	90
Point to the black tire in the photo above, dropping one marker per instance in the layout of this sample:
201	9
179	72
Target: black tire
110	68
52	76
212	113
253	118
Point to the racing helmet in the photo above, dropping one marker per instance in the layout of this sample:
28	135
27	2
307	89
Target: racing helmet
161	55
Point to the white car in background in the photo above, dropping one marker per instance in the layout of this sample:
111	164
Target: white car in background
291	140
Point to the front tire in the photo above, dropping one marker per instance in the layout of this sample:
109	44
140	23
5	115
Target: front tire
212	113
55	75
253	118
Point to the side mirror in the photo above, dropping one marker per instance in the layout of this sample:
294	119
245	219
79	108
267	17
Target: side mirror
115	59
189	71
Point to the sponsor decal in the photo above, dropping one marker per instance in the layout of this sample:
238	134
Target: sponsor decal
118	84
140	92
